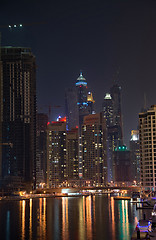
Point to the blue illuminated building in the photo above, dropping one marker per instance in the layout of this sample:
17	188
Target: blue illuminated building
81	89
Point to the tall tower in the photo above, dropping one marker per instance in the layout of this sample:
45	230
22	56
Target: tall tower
135	155
81	88
107	109
94	149
56	153
72	155
18	115
71	108
147	135
115	92
41	139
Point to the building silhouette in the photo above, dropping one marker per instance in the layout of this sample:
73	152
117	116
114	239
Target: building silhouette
71	108
115	92
122	166
18	116
41	148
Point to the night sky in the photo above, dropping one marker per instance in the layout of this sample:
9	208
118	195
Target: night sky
98	37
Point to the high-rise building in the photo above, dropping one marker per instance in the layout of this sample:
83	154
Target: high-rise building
71	108
122	168
56	153
81	89
94	149
112	143
41	148
115	92
72	154
107	108
135	155
90	102
147	136
18	115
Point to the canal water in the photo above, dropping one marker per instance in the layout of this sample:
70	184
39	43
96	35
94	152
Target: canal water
76	218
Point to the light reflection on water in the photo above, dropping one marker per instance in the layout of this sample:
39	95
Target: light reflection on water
79	218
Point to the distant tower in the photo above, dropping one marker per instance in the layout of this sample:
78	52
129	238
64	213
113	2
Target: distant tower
90	102
107	109
71	108
81	88
135	155
115	92
18	115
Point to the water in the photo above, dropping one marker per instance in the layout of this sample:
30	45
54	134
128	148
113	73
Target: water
76	218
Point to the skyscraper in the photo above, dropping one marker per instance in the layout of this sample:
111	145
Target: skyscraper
71	108
72	154
115	92
18	115
81	89
135	155
122	166
56	153
94	149
147	135
90	102
107	108
41	148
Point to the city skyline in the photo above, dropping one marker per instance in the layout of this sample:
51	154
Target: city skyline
99	38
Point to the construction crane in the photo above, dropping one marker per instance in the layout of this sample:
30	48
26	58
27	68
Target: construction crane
49	107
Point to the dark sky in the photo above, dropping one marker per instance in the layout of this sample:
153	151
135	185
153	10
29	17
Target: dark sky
98	37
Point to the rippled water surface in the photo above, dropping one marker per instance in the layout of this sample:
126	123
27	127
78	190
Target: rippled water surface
76	218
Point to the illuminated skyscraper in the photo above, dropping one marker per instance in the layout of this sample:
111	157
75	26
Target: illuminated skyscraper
115	92
18	115
147	135
107	109
56	153
81	88
94	149
90	102
135	155
71	108
72	154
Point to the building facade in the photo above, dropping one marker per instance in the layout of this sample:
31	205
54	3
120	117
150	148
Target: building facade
41	148
122	166
56	153
135	155
115	92
18	115
94	164
72	155
147	135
